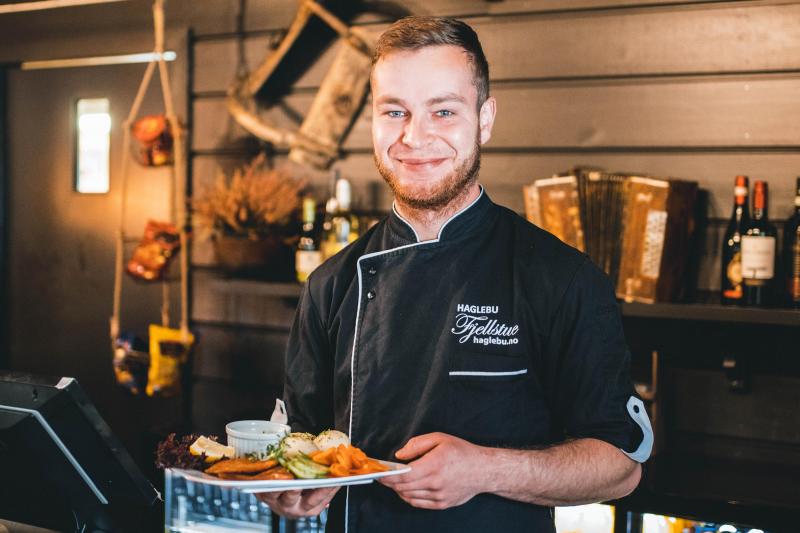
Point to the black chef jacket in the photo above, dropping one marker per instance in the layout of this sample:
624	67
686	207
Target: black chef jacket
495	332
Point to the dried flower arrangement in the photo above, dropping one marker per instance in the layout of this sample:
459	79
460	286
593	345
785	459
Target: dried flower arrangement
255	202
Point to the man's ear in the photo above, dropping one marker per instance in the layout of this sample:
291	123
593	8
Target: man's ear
486	118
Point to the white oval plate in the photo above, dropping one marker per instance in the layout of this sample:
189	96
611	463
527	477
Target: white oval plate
275	485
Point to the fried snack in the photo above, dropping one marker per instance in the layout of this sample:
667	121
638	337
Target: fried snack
240	466
277	472
345	460
324	457
338	470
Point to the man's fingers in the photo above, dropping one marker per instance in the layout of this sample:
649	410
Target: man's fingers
318	497
419	445
289	498
425	504
421	494
420	469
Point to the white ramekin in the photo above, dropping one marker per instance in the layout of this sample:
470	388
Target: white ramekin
253	436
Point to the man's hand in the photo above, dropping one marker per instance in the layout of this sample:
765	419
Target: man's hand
298	503
446	471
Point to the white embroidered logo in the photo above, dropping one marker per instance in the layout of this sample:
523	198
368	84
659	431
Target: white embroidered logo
473	323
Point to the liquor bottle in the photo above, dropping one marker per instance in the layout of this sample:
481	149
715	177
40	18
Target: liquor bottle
758	252
732	291
343	226
791	241
308	255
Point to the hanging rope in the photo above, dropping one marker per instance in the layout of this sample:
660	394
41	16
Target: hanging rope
177	208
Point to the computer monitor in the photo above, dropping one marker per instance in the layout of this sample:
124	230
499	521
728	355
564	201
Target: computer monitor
60	465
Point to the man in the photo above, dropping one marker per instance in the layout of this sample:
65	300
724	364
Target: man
456	336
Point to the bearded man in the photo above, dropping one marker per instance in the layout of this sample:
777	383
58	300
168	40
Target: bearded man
456	336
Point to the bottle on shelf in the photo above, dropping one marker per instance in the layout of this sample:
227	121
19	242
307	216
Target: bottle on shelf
791	242
758	252
732	290
308	255
341	226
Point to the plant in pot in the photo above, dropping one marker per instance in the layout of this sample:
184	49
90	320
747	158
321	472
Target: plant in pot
251	217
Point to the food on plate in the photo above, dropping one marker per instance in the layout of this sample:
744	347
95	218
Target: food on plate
346	460
213	450
304	468
241	465
330	438
297	456
295	444
174	452
277	472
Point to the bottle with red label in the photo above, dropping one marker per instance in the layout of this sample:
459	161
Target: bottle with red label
758	252
732	289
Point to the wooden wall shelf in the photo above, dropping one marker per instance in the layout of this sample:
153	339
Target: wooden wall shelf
701	311
712	312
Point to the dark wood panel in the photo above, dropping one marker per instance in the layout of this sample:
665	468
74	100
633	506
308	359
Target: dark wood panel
240	356
215	304
746	112
700	402
644	41
3	224
264	16
217	402
707	39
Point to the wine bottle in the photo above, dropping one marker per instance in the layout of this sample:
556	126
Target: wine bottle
732	291
343	227
308	255
791	240
758	252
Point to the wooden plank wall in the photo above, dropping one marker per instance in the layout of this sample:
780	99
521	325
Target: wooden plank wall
701	90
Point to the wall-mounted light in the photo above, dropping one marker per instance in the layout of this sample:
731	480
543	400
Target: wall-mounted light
97	61
93	145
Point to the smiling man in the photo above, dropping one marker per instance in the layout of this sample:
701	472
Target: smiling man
455	335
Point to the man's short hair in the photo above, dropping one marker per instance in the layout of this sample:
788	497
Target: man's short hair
415	32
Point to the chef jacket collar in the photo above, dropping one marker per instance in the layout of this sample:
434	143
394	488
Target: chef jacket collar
462	223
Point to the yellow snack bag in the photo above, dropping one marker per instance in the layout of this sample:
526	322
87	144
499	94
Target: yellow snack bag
169	348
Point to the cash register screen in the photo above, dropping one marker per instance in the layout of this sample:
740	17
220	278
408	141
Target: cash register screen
60	465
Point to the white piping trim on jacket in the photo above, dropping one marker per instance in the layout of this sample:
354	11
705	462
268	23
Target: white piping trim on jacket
637	411
474	373
439	236
358	316
396	212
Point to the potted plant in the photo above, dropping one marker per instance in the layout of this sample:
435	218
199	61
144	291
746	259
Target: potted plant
251	218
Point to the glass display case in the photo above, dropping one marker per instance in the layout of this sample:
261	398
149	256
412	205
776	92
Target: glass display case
192	507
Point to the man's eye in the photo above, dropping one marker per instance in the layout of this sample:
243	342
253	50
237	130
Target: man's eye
395	114
444	113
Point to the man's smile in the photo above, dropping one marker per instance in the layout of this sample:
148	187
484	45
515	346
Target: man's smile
420	164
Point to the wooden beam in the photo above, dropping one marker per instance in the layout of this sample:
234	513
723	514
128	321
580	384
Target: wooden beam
4	330
21	7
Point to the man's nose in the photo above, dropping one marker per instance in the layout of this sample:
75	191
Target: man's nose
416	132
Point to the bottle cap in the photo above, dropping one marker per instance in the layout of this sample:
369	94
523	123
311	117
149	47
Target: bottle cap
740	189
343	193
760	195
309	209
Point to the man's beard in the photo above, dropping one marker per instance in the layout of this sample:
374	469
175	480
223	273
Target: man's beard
435	196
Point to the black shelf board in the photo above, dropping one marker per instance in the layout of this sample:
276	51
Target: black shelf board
712	312
256	287
761	495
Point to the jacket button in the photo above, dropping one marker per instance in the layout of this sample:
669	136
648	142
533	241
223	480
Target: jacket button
372	271
370	295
